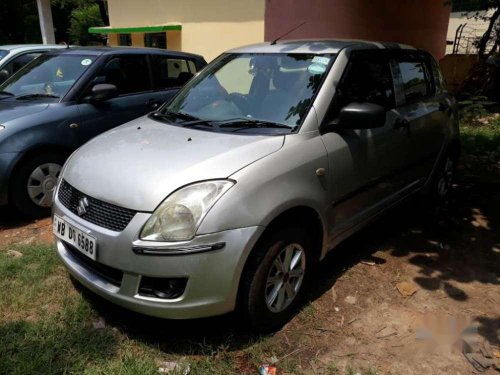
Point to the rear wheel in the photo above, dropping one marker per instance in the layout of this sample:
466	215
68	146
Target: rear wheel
34	182
442	182
275	279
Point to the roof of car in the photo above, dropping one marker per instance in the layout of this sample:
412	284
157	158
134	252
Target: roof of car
28	47
314	46
104	50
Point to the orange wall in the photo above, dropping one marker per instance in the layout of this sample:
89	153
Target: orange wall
421	23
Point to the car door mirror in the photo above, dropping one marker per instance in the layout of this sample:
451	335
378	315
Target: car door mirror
359	116
103	91
4	75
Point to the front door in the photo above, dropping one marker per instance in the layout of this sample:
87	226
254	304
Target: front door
365	164
136	97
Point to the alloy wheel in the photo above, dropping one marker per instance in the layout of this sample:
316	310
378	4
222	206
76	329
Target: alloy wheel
445	178
285	277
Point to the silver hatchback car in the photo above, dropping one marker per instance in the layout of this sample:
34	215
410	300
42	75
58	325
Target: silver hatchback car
228	195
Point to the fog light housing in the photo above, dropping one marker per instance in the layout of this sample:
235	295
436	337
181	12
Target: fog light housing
162	288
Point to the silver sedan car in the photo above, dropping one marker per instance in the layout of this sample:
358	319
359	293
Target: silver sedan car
229	195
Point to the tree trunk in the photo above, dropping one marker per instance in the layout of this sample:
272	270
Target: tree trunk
483	42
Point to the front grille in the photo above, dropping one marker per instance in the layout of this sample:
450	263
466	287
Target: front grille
104	214
110	274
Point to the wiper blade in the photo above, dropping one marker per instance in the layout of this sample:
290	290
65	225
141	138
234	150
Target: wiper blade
252	123
34	96
179	115
6	93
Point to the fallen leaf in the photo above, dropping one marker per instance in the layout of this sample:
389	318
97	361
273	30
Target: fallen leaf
14	253
406	289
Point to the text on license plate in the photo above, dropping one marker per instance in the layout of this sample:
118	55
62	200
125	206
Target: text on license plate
77	238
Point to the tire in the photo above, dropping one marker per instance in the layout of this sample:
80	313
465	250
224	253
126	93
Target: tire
442	182
40	173
260	315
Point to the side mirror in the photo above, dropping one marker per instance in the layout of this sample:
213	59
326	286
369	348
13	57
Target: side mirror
360	116
103	91
4	75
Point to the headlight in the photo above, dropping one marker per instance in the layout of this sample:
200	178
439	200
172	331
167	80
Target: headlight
2	127
178	217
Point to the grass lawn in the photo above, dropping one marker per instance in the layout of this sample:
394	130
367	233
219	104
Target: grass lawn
48	324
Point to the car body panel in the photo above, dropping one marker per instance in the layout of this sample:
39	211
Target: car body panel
347	178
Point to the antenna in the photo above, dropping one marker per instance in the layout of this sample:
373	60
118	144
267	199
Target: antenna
288	32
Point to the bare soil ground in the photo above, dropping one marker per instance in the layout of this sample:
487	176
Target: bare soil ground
356	319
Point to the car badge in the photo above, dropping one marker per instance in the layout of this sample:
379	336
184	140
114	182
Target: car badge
83	204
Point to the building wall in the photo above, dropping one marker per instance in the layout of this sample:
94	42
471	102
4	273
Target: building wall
209	27
422	23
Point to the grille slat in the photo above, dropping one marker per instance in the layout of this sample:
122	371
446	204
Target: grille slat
104	214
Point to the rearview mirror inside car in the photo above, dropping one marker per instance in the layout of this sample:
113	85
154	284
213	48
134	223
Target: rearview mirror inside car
103	91
359	116
4	74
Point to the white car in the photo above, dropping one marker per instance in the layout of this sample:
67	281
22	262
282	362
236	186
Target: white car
14	57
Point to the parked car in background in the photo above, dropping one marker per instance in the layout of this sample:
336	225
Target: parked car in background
229	194
62	99
14	57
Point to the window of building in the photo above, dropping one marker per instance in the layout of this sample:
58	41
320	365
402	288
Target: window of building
129	74
124	39
172	72
367	79
156	40
414	80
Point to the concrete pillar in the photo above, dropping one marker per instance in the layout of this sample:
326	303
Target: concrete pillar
46	25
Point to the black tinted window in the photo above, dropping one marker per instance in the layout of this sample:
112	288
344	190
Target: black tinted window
369	80
18	62
128	73
171	72
414	80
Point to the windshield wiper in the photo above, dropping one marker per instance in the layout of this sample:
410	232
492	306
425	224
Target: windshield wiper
34	96
245	123
171	114
6	93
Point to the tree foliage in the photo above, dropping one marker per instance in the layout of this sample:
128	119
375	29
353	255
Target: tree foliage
81	19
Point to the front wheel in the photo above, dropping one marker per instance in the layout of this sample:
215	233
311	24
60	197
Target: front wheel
34	182
276	278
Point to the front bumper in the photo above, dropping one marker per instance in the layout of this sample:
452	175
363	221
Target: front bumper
213	276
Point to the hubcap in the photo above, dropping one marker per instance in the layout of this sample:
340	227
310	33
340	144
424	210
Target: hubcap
285	277
445	179
42	182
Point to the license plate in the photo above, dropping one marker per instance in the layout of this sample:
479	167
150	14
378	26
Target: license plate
84	243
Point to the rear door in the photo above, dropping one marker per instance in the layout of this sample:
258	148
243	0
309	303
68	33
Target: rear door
131	75
421	113
170	73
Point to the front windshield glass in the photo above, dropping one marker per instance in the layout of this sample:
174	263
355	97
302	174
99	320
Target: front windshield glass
3	53
47	76
277	88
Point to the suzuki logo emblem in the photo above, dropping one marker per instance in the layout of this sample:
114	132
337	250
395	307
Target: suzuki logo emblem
83	204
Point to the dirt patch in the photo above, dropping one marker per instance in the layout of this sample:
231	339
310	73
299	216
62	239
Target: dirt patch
15	229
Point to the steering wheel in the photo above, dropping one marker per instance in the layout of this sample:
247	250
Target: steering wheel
240	101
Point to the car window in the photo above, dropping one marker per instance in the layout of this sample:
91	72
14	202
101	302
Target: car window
18	62
129	73
439	81
171	72
277	88
50	74
368	79
3	53
414	80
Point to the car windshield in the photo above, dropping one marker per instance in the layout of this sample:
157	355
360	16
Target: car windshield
259	89
48	76
3	53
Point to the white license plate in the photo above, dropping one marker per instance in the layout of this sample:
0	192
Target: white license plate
86	244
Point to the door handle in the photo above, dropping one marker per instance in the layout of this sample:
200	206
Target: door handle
401	123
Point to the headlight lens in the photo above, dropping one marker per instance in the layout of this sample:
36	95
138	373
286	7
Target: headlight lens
178	217
2	127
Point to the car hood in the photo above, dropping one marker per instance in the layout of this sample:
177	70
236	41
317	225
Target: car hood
137	165
10	110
